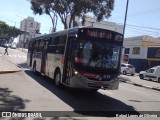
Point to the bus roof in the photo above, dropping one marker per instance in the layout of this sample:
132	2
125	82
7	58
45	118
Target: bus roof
70	30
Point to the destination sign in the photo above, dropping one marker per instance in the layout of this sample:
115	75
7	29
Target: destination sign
99	34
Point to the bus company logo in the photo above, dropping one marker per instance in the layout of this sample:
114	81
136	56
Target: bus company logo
99	77
6	114
157	53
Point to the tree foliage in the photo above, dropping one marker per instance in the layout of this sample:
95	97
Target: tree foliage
100	8
45	6
6	31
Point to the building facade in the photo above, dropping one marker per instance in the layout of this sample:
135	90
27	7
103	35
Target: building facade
90	21
31	27
142	51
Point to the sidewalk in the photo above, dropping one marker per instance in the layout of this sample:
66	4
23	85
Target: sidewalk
23	50
6	66
138	82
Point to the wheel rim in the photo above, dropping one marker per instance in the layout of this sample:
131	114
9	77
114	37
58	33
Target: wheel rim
124	72
141	76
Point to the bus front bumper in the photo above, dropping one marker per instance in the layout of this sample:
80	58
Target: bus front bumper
76	82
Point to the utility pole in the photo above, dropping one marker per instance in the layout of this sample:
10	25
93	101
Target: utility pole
124	27
125	18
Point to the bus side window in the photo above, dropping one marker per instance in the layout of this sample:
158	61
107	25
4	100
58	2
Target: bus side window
62	40
41	46
30	46
33	45
61	44
52	45
36	45
60	49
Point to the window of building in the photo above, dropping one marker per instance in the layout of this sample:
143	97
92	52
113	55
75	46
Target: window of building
126	51
31	24
136	50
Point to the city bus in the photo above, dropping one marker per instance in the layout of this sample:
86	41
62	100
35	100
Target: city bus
83	57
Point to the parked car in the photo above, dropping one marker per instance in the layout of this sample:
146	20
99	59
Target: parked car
127	69
6	45
151	74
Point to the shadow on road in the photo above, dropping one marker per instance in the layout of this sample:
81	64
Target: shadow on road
23	65
87	103
9	102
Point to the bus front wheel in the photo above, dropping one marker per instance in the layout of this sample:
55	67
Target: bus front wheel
57	78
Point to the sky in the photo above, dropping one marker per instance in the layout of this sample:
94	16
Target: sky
142	19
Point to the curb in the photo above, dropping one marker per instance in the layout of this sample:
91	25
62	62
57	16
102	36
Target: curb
3	72
136	84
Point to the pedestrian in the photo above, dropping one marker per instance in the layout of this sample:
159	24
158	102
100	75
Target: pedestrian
6	50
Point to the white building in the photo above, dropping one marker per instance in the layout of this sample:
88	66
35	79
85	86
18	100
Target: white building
90	21
142	51
31	27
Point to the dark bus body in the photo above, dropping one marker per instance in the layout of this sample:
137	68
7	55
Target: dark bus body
84	57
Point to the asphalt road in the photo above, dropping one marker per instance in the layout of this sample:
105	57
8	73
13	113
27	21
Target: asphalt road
24	91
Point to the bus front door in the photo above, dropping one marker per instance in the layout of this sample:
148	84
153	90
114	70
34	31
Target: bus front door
68	65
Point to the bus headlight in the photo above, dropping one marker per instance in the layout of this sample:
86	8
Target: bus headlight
76	72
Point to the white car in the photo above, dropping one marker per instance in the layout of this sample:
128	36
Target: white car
127	69
151	74
13	46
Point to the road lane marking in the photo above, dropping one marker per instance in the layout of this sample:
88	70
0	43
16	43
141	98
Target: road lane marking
134	90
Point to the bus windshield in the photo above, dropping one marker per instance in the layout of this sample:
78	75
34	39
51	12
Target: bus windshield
97	54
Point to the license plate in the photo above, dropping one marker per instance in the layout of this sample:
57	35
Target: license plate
98	84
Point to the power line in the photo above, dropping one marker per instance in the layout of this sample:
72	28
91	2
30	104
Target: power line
144	27
140	32
129	27
140	13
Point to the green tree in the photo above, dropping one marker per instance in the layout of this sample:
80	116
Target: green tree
100	8
6	31
45	6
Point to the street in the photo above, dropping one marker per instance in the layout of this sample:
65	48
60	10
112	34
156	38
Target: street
25	91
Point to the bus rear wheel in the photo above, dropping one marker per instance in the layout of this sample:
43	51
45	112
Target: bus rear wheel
57	78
